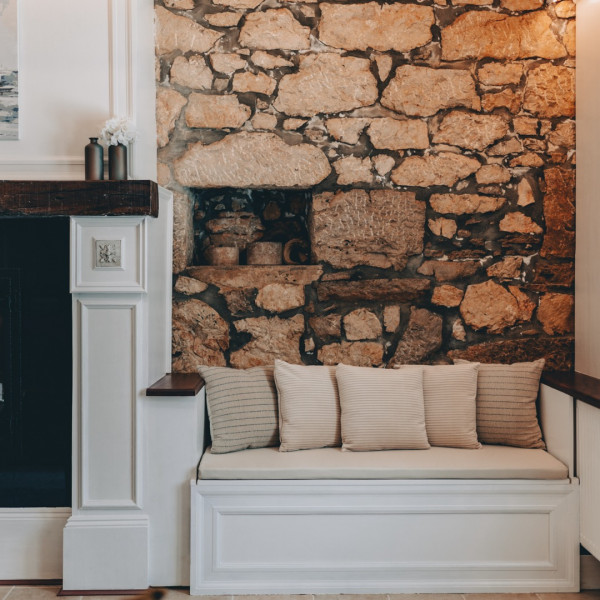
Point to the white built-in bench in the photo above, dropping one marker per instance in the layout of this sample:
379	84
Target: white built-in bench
499	519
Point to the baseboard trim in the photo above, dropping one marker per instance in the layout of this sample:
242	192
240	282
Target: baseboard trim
100	592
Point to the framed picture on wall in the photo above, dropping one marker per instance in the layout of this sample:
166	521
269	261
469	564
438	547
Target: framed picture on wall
9	71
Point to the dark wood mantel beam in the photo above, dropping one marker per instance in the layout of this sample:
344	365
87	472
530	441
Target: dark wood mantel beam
78	198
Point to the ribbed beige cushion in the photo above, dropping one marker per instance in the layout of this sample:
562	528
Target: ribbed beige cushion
491	462
506	404
450	416
309	406
242	407
381	409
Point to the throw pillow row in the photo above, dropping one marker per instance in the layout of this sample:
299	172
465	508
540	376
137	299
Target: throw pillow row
300	406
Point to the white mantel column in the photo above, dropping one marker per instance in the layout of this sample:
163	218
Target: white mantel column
120	281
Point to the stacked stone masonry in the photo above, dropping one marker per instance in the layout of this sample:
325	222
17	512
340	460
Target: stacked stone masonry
438	140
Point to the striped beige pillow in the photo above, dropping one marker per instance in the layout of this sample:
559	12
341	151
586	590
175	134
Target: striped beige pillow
382	409
309	406
506	404
450	416
242	407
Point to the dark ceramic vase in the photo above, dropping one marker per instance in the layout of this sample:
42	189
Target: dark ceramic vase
117	162
94	161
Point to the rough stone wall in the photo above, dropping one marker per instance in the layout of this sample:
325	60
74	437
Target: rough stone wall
439	141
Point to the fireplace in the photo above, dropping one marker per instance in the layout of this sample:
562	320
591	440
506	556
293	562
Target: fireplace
35	363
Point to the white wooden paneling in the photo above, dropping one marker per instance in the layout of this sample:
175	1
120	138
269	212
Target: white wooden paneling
557	417
81	63
128	274
279	537
587	282
31	542
109	383
588	470
174	441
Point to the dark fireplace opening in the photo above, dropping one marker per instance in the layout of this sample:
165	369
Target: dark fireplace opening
231	217
35	363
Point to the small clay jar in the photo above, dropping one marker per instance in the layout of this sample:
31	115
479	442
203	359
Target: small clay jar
223	255
264	253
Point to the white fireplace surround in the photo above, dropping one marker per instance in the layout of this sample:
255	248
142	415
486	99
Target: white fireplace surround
125	529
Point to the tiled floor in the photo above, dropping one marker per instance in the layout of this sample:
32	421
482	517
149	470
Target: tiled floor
50	592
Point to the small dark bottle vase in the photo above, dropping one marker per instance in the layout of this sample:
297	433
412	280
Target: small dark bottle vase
94	161
117	162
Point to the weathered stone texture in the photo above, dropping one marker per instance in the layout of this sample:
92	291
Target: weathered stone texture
563	135
238	3
490	306
508	268
423	91
326	326
481	34
358	354
519	223
180	4
492	174
271	338
362	324
521	5
399	27
188	286
269	61
391	318
558	352
507	98
569	38
445	168
183	232
494	73
174	32
422	337
200	336
381	228
525	125
223	19
525	193
168	106
234	229
469	130
274	29
393	134
463	204
383	164
556	313
279	297
351	170
327	83
254	160
447	295
264	121
448	270
442	227
559	213
346	130
227	62
216	112
193	72
565	9
384	64
385	290
259	83
550	91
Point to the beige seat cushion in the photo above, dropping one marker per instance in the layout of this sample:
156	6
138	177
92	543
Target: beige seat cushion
309	406
490	462
450	416
381	409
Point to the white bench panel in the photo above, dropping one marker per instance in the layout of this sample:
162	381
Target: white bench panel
384	536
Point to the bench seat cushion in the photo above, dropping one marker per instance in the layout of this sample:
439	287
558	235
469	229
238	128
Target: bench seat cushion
489	462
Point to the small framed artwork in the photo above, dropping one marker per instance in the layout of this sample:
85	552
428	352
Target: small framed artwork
9	70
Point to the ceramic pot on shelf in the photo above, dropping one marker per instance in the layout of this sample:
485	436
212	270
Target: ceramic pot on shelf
117	162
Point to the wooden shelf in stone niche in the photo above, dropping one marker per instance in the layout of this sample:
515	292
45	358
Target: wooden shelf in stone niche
78	198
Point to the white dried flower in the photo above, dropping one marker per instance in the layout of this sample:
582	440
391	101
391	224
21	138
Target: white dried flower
118	130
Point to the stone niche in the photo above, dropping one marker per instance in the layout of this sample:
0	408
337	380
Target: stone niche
433	146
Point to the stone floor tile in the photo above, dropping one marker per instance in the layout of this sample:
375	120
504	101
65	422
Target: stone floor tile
426	597
501	597
583	595
4	589
38	592
272	597
350	596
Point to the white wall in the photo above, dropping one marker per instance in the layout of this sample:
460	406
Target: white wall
587	271
81	62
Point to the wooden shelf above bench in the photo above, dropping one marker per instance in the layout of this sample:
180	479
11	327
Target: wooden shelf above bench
176	384
580	386
78	198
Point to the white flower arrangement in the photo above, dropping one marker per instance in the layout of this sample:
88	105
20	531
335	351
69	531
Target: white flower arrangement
118	130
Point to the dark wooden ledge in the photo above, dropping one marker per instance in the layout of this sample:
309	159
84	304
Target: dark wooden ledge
580	386
176	384
78	198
